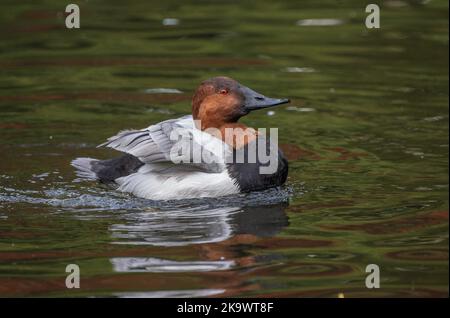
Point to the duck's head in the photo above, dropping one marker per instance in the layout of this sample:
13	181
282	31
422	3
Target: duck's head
222	100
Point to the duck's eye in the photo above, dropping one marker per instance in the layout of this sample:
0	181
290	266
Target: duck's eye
223	91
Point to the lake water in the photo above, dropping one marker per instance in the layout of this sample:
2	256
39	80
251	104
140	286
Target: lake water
366	135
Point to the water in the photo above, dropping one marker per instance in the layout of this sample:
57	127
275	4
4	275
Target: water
366	135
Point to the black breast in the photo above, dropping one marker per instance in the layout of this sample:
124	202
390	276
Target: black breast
256	169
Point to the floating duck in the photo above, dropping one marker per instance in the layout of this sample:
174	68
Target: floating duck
206	154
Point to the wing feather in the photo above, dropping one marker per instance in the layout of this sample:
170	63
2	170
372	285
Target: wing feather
154	145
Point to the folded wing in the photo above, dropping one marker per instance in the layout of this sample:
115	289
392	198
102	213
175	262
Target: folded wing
154	144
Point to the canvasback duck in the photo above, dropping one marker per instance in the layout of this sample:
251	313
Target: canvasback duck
206	154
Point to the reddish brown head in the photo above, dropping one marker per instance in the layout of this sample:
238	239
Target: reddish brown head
222	100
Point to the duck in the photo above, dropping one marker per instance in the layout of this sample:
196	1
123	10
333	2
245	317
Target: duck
208	153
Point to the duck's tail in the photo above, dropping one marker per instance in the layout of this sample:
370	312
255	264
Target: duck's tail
106	171
84	168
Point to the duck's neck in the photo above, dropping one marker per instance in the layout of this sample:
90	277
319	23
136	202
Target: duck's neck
234	134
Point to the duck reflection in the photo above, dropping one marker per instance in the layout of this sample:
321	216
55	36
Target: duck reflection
173	293
198	225
156	265
213	230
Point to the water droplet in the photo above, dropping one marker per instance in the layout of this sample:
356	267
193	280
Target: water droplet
162	91
295	69
170	21
319	22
